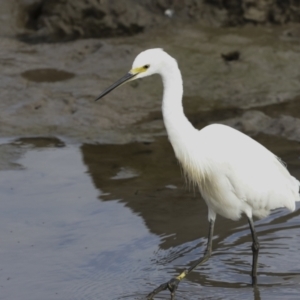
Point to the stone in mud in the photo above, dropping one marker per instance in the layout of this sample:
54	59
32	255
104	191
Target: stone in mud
64	20
56	20
254	122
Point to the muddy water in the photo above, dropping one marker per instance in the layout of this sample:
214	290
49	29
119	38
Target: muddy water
114	221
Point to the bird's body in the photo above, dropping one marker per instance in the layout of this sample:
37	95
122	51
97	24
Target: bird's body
235	174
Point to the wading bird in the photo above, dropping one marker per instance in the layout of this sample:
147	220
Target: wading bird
235	174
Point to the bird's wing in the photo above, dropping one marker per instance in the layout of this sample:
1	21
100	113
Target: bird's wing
255	174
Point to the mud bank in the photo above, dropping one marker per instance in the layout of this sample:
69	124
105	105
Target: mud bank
49	89
39	20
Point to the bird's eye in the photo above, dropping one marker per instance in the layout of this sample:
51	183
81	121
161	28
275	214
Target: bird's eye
146	67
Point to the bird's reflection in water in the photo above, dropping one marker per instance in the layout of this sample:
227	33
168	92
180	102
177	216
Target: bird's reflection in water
256	293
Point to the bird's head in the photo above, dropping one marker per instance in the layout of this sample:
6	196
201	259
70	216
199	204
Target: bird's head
147	63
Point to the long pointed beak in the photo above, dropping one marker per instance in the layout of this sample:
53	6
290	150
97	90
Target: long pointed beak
129	76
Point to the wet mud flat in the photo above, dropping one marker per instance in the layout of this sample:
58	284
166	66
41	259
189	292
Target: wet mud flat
49	89
87	221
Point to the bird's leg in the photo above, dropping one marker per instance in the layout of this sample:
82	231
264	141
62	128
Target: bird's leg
256	293
255	250
174	282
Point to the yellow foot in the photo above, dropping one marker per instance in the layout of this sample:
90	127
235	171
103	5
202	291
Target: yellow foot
171	285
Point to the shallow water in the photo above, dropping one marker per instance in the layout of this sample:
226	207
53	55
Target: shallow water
113	222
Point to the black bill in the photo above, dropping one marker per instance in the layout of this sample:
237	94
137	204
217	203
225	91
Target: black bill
125	78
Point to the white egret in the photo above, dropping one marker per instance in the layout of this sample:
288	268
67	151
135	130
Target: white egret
235	174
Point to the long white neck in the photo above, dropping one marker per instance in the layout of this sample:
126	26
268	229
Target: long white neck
180	130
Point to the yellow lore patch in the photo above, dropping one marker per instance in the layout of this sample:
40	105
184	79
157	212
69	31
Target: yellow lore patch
138	70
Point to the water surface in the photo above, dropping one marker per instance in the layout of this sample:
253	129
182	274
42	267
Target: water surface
112	222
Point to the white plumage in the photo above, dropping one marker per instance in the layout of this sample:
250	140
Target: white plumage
238	174
235	174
